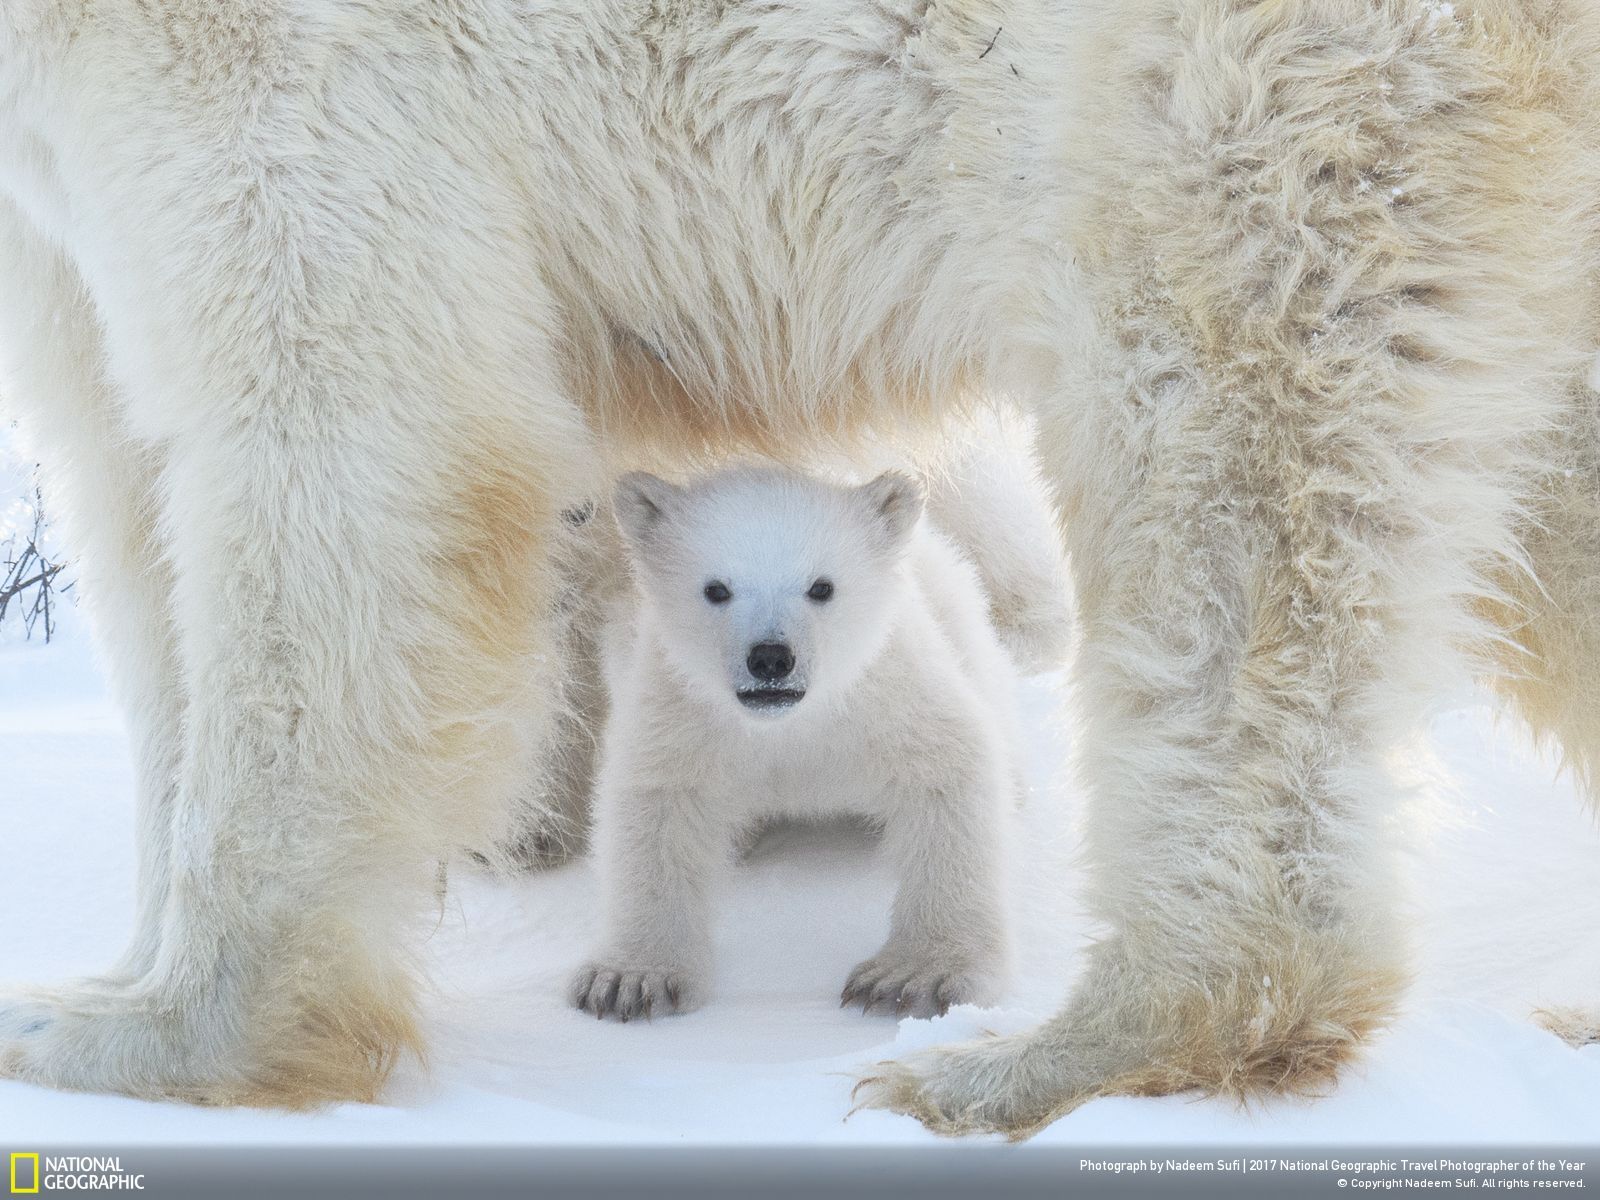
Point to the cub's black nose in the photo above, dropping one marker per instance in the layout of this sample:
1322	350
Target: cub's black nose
770	661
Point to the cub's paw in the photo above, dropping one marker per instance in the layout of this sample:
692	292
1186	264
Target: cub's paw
915	985
626	993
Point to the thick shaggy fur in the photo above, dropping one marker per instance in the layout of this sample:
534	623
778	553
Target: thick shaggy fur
323	313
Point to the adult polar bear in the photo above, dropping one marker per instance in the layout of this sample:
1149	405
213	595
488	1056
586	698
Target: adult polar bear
320	311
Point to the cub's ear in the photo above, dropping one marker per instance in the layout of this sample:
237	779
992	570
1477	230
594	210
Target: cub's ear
642	503
895	502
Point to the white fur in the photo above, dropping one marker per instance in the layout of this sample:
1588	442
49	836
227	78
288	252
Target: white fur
904	716
984	492
323	311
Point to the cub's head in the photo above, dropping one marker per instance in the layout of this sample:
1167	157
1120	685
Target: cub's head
770	589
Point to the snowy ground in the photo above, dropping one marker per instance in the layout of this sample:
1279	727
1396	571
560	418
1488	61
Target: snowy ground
1506	876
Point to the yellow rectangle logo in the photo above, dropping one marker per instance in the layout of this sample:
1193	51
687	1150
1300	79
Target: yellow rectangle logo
16	1188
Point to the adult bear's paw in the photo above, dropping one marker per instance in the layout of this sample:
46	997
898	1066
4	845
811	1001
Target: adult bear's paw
1011	1085
122	1035
1575	1026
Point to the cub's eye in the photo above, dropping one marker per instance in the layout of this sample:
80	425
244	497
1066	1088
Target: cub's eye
820	591
718	593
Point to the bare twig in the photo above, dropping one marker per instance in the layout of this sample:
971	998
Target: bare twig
30	580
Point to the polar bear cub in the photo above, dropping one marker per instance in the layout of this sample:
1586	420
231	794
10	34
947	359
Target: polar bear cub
798	648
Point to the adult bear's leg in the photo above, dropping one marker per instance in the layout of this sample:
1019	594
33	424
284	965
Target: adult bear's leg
331	321
1328	304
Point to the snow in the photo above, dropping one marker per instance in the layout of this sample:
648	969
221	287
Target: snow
1505	868
1503	865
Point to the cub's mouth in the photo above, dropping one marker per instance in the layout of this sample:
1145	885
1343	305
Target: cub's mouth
770	699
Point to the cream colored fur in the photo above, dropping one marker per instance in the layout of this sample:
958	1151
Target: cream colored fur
323	312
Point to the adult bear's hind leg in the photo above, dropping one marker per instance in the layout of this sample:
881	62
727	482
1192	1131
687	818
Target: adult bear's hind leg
1548	662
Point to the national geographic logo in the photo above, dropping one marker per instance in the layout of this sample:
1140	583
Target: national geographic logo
24	1174
31	1175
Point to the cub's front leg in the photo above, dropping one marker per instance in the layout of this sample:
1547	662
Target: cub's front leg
947	939
659	846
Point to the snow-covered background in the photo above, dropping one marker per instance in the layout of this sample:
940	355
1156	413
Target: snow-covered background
1504	869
